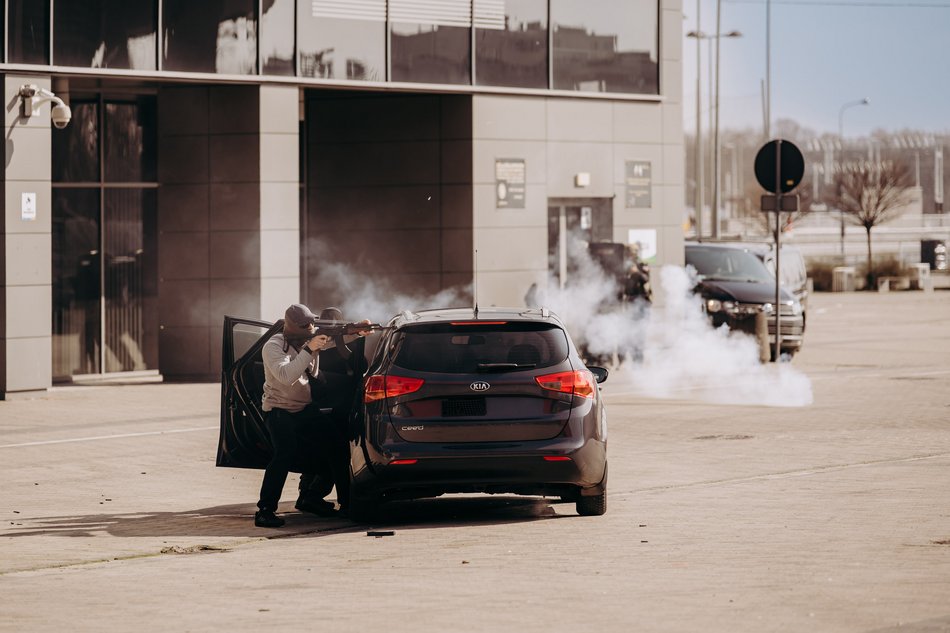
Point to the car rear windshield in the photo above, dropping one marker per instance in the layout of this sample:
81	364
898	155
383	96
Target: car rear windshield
727	264
509	346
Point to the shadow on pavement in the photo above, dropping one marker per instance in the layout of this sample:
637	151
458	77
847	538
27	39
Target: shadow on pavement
237	520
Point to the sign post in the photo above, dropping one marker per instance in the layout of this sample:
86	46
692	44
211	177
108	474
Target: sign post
779	167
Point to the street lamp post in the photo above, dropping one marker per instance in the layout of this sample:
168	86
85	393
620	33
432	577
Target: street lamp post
716	151
841	111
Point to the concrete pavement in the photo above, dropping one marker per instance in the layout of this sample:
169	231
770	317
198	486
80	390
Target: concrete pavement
830	517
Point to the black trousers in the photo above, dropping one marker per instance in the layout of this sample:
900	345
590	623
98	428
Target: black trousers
299	438
330	390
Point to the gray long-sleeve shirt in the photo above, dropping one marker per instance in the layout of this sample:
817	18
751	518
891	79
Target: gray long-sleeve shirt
286	384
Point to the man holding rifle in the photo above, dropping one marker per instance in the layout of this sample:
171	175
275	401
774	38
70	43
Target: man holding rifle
293	418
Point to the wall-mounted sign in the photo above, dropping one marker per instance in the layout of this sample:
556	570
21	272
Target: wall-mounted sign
639	182
509	183
28	206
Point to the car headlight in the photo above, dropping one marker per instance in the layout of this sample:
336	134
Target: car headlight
767	308
796	307
713	305
730	306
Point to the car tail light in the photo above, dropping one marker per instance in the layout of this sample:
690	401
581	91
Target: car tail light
557	458
379	387
403	462
478	322
579	383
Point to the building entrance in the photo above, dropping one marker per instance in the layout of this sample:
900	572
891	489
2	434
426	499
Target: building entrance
573	223
104	238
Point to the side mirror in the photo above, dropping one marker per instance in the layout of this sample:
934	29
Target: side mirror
600	373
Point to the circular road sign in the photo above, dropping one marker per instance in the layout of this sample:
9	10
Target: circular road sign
792	167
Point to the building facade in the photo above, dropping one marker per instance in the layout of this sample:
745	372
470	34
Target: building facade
237	156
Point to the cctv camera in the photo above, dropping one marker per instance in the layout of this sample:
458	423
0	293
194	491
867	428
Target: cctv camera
61	115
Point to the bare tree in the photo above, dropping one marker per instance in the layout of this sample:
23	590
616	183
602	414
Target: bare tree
870	194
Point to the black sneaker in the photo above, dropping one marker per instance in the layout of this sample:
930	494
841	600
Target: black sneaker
320	507
267	518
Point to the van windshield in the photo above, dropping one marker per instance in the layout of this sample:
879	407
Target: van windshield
727	264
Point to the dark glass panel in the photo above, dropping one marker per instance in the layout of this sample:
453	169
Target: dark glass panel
211	37
130	276
277	37
105	34
606	46
76	282
430	53
338	48
29	31
76	148
513	51
130	141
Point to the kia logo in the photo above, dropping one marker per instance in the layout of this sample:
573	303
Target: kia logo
479	386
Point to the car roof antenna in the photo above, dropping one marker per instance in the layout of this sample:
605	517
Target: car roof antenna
475	286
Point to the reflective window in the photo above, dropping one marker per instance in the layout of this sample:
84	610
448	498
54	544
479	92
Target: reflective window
76	147
76	282
277	37
606	46
511	43
105	34
28	32
211	37
129	141
342	39
431	41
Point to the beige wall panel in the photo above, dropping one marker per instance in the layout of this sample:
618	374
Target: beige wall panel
236	206
671	34
28	362
674	165
509	118
279	109
28	152
279	158
671	82
567	159
673	123
184	303
511	249
235	158
183	255
279	206
183	207
504	289
185	351
29	259
279	254
579	120
637	122
675	5
182	159
485	153
535	213
29	311
13	197
276	294
670	245
234	254
183	110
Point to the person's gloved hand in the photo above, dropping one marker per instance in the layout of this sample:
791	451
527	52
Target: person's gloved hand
318	343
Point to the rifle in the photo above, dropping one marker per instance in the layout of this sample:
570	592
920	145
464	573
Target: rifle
342	328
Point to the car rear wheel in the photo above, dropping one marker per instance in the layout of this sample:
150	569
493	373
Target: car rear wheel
592	506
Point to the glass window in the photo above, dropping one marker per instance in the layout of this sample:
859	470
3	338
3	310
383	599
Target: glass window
105	34
76	311
606	46
340	39
130	274
431	42
211	37
28	32
76	147
130	141
511	43
277	37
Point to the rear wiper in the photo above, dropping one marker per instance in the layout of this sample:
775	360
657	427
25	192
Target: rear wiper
487	367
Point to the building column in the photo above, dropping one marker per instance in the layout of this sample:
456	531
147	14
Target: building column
25	245
228	211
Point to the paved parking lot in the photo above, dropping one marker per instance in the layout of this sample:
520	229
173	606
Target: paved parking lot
721	517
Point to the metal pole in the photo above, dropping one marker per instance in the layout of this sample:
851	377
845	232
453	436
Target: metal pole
778	250
716	149
699	133
768	68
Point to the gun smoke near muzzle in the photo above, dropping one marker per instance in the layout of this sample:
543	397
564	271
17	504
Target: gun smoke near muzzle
669	350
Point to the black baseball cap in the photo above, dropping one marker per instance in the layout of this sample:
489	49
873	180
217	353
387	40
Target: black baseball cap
299	315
